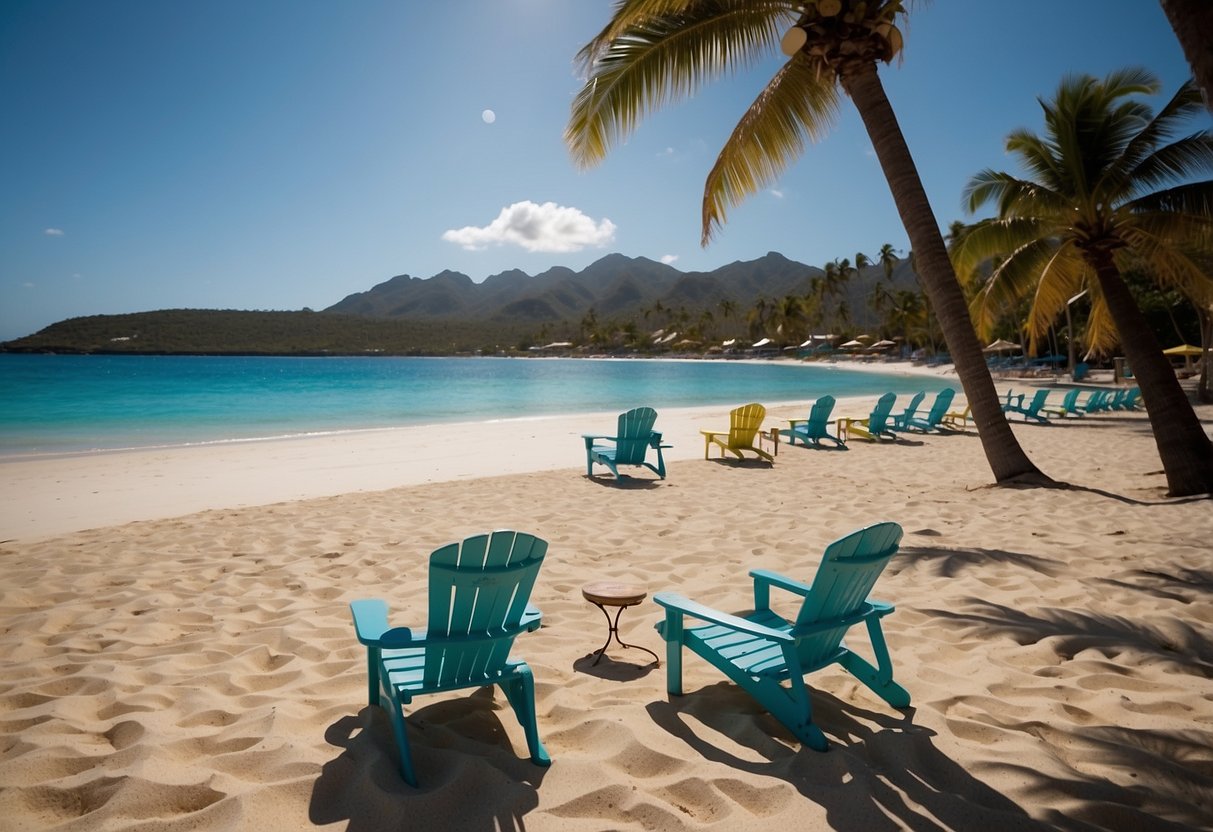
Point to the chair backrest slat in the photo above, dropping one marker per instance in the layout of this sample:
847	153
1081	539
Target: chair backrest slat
634	435
744	424
478	589
819	418
879	419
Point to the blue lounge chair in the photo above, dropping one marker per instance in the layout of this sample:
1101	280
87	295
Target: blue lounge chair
1115	400
633	438
934	418
1068	406
769	656
1132	400
816	428
1032	411
874	427
478	603
901	419
1095	402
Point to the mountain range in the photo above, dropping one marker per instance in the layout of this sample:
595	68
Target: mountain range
615	286
449	313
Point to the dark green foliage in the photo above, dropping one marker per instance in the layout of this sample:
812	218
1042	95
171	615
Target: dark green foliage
229	332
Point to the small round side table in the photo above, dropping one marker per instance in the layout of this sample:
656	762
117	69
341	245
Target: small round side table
605	594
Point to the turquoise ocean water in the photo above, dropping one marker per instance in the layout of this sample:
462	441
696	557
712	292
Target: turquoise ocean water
52	404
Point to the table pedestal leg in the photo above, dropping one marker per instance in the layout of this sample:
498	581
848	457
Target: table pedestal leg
613	632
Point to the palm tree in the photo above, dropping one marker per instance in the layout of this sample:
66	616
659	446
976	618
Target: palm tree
1109	189
654	50
887	259
788	318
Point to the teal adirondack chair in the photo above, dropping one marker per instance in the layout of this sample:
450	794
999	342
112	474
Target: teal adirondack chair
1094	402
769	656
814	429
1115	400
900	420
478	604
1032	410
1069	405
934	417
875	426
1132	400
634	436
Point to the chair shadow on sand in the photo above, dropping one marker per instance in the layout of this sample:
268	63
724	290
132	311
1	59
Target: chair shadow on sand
363	785
880	762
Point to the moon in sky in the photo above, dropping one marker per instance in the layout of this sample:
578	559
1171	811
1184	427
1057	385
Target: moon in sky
489	116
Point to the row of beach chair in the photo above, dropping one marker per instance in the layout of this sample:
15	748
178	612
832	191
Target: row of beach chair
635	435
1097	401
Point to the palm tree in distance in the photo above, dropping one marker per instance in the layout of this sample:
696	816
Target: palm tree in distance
652	51
1108	189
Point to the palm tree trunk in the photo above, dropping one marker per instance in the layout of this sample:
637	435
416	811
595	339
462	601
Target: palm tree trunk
1192	21
1007	459
1185	450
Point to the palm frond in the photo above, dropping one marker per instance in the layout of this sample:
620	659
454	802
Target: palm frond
1101	335
1151	244
653	60
797	105
1038	157
994	238
1194	199
1183	105
1179	161
1061	278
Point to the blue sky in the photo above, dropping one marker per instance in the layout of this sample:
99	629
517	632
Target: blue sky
281	154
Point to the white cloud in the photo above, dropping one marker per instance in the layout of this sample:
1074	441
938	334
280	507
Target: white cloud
775	192
546	227
27	285
668	258
488	116
53	232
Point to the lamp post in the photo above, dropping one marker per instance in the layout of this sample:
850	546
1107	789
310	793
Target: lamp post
1070	333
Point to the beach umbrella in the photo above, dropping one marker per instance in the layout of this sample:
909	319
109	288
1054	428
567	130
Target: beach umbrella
884	344
851	345
1002	345
762	343
1186	350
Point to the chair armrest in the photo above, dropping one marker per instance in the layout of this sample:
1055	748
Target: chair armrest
792	423
531	619
677	603
370	619
655	441
767	577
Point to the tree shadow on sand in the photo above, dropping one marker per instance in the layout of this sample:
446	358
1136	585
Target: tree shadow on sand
951	561
1121	777
470	774
1184	647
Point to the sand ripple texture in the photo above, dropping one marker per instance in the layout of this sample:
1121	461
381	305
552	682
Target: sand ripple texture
202	673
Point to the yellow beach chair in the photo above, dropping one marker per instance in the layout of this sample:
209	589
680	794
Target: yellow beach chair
745	428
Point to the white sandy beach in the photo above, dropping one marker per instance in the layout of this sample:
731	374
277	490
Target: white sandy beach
177	650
